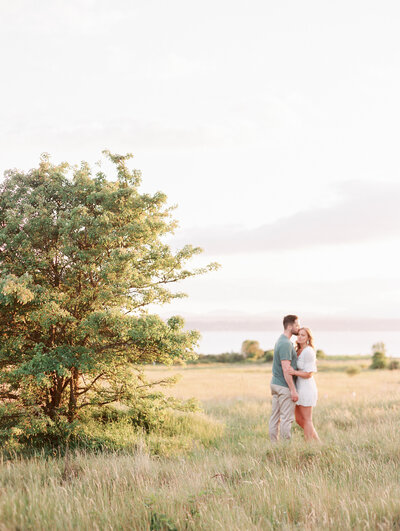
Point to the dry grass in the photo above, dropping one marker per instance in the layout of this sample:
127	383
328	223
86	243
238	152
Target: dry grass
249	382
239	482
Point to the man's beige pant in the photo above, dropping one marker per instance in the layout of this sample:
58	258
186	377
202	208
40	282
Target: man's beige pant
282	412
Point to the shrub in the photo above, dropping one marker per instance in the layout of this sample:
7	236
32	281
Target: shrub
353	370
320	354
393	365
379	359
268	355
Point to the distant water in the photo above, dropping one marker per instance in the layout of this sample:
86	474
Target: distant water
331	343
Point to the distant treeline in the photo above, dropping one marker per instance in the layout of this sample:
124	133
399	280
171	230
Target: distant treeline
231	357
250	352
267	356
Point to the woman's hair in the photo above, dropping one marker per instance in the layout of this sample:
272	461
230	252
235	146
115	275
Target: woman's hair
310	338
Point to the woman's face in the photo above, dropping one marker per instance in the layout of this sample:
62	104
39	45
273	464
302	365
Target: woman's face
302	337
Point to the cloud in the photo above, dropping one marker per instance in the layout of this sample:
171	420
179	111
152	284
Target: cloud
366	211
55	17
361	297
66	131
139	134
264	323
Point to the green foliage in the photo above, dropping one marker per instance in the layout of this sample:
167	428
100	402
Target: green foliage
251	349
231	357
225	357
320	354
379	359
268	355
161	522
160	430
379	347
81	259
394	365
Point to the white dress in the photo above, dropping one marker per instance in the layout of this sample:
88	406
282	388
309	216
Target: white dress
306	387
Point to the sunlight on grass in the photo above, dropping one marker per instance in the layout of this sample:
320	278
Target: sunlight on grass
224	473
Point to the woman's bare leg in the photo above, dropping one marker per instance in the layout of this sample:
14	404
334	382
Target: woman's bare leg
309	430
299	417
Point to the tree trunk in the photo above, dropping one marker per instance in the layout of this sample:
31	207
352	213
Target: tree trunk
73	394
56	395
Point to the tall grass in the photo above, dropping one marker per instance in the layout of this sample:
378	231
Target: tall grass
227	475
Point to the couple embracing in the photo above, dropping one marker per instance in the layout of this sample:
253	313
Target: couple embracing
293	388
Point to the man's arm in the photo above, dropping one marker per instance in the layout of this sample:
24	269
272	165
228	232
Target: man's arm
302	374
289	379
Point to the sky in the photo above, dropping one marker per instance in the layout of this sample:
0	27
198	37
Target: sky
273	126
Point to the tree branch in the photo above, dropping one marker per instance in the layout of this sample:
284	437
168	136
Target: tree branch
90	385
98	403
152	383
65	384
11	396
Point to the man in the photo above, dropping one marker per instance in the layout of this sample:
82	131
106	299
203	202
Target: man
283	389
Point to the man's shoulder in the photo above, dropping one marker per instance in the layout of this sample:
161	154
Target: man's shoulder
283	340
283	347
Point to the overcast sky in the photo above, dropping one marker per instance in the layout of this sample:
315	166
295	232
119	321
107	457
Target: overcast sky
274	126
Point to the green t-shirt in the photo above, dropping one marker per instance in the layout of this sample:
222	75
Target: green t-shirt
283	350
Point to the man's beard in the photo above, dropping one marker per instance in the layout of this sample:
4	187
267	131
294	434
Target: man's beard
295	333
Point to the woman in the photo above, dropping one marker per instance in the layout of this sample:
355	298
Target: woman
306	387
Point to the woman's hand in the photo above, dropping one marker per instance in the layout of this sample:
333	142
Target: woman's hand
291	371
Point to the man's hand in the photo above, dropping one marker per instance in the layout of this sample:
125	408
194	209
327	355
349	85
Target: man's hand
291	371
294	396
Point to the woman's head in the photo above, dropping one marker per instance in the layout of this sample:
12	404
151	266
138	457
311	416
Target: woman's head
304	338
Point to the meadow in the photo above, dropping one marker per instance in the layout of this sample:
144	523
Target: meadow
220	470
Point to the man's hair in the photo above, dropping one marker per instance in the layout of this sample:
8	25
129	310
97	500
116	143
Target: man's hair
288	320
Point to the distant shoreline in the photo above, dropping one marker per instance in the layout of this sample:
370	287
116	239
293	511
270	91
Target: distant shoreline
334	342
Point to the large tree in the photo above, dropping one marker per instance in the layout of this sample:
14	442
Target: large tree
82	257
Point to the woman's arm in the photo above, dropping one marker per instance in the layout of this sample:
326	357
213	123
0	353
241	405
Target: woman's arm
309	364
302	374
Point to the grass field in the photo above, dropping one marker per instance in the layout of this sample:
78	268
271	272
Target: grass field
227	475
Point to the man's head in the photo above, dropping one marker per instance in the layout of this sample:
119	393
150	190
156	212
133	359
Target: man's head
291	324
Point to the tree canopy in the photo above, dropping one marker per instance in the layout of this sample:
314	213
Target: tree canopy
82	258
251	349
379	359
